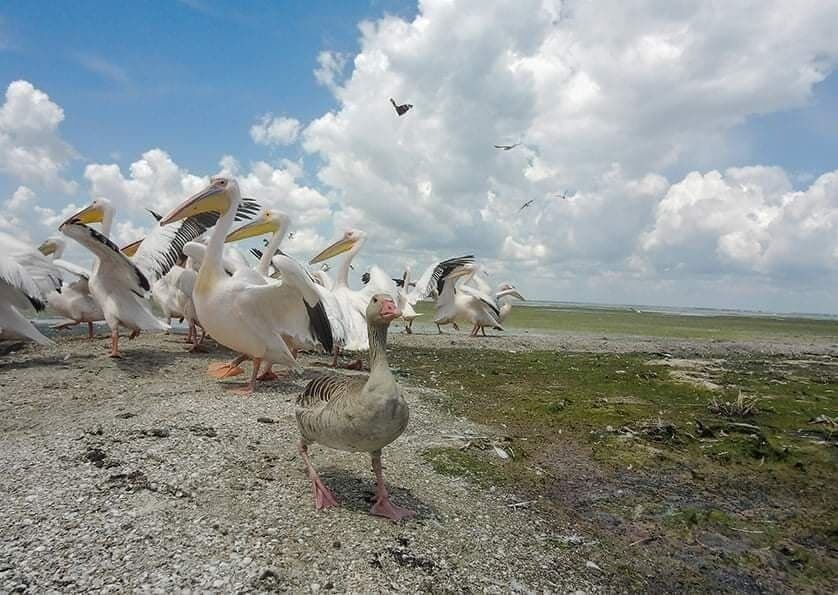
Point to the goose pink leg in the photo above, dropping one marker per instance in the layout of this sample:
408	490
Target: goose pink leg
323	497
383	506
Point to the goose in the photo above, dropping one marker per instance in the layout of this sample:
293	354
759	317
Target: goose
357	414
240	311
73	299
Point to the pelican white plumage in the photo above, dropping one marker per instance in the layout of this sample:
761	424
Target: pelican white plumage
409	314
118	283
305	322
238	311
25	277
504	294
432	283
352	303
73	299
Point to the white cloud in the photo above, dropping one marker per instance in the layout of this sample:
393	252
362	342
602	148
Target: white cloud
746	220
330	67
31	149
604	107
102	67
270	130
21	197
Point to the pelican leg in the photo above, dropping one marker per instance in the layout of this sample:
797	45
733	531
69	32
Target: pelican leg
89	330
115	344
61	327
383	506
193	335
483	330
473	332
439	328
269	373
250	386
323	498
407	327
226	370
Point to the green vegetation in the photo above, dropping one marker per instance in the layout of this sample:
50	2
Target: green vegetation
754	462
651	324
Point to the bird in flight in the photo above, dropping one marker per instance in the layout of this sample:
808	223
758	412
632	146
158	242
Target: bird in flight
563	195
506	147
291	236
526	204
401	109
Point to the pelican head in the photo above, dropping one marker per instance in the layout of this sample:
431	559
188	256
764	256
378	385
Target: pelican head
96	212
510	290
350	240
217	197
53	245
267	221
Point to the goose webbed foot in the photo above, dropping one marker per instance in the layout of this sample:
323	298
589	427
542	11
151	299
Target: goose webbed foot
383	506
323	497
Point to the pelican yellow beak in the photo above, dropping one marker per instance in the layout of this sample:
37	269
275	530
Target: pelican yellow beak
47	248
258	227
339	247
213	198
89	214
131	249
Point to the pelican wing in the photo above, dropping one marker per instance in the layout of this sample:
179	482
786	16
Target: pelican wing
434	277
110	258
72	268
295	275
487	302
379	282
15	277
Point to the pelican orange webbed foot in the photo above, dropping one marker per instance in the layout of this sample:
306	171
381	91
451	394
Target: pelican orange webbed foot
224	370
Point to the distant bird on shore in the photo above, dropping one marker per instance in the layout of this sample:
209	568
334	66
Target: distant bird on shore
526	204
401	109
507	147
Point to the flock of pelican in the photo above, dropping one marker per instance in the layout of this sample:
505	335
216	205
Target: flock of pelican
266	314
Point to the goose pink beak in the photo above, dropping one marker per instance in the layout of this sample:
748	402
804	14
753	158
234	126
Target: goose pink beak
389	310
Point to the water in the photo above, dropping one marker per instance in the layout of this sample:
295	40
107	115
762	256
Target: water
673	310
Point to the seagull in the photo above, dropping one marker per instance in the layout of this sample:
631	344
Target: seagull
401	109
291	236
526	204
563	195
506	147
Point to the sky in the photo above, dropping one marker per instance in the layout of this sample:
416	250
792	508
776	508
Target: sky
695	142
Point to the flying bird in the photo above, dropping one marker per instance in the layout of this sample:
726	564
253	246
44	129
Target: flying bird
506	147
291	236
526	204
563	195
401	109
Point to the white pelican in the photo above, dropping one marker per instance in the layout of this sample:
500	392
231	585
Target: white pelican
353	304
432	283
409	314
238	311
25	276
119	284
306	324
504	295
72	300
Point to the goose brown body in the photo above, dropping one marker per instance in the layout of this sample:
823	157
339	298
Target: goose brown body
354	413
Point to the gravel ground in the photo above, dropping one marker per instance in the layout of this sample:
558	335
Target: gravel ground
145	474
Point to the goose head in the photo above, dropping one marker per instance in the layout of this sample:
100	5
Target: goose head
382	310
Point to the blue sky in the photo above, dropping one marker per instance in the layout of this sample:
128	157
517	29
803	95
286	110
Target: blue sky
190	76
699	144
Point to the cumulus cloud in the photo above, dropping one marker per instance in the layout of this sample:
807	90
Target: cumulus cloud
330	67
746	220
605	109
31	149
21	197
270	130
